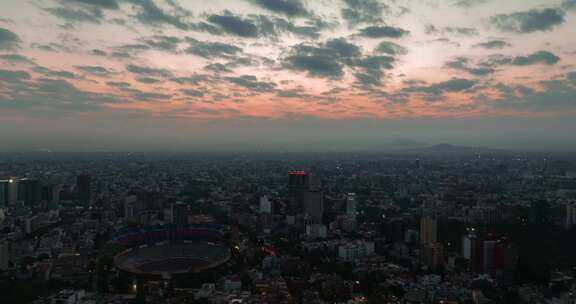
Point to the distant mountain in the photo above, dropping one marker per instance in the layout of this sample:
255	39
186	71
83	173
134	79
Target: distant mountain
445	148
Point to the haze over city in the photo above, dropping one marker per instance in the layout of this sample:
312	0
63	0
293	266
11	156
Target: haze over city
80	75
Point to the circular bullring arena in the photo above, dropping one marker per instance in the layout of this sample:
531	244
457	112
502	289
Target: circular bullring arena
169	252
172	259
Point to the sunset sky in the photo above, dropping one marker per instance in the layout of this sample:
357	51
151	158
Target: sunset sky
179	74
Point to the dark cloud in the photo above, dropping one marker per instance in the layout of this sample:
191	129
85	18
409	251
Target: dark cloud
452	85
569	5
97	52
118	84
142	70
555	96
451	30
192	93
251	82
149	96
148	80
217	68
369	70
343	48
15	58
464	64
194	79
529	21
13	76
78	15
108	4
391	48
332	57
235	25
493	44
52	73
95	70
55	96
543	57
383	32
52	47
150	14
212	49
540	57
162	43
8	40
287	7
322	60
363	11
293	93
470	3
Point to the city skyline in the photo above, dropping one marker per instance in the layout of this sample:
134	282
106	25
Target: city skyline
80	75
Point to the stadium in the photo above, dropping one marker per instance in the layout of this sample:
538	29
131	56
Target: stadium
166	251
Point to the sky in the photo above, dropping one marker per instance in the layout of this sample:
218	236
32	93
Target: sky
189	74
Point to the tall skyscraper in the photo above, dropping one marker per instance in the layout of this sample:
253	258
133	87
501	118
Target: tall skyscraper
4	193
265	205
4	254
428	230
351	204
29	191
570	215
83	187
314	205
298	183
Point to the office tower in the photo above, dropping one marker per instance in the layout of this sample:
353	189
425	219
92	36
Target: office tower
265	205
432	255
467	246
12	191
298	183
4	193
428	230
83	187
51	193
570	215
314	183
265	215
4	255
131	207
314	205
351	204
179	213
29	191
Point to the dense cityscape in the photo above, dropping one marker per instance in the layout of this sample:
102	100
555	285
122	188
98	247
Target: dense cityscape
444	225
287	151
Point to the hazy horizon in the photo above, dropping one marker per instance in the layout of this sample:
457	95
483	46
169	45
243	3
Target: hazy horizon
87	75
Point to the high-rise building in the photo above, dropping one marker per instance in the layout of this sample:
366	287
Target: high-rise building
29	191
51	193
351	204
83	187
265	205
179	213
314	205
432	255
4	193
12	191
131	207
570	215
298	183
4	255
428	230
